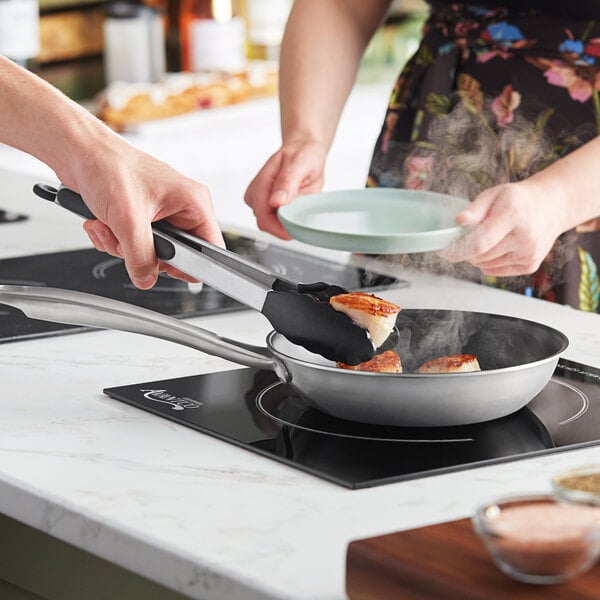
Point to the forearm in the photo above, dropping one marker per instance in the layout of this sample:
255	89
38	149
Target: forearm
574	179
322	46
37	118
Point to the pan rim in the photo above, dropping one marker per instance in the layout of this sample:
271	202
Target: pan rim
564	344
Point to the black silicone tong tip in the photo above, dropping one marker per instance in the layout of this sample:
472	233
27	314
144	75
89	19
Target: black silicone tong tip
309	322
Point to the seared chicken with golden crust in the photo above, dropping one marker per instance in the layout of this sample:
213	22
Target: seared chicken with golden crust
456	363
386	362
376	315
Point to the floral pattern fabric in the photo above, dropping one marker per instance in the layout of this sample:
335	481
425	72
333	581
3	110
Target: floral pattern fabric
514	90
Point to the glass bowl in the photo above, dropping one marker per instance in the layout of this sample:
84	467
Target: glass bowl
537	539
580	485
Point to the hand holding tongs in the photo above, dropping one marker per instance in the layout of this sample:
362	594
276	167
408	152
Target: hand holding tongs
300	312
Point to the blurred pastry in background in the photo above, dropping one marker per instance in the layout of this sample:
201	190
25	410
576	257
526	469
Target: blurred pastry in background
122	104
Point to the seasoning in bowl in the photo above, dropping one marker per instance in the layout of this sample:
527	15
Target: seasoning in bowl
581	485
536	539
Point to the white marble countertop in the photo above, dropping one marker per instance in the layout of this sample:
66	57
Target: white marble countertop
184	509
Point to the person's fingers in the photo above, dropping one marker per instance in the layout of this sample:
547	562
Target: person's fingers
194	213
104	241
101	236
140	190
94	239
176	273
261	187
503	248
295	176
285	192
291	177
502	261
204	226
519	261
135	241
482	239
506	269
200	220
269	221
470	246
107	238
210	231
477	210
294	169
257	198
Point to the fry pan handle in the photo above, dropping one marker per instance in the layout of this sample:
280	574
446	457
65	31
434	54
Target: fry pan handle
78	308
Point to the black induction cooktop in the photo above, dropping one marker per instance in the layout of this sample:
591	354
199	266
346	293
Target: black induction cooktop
94	272
252	409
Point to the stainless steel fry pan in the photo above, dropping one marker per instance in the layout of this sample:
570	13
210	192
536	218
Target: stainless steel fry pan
517	358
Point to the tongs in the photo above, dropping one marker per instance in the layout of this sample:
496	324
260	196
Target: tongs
299	311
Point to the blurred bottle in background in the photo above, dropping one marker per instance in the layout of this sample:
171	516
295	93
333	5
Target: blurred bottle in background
265	24
212	36
20	31
134	43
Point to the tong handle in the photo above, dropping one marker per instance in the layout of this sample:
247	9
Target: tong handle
73	202
69	199
167	249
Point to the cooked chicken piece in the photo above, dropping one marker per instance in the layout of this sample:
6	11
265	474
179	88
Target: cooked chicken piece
456	363
386	362
376	315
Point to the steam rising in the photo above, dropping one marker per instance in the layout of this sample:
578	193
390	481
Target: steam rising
469	156
498	342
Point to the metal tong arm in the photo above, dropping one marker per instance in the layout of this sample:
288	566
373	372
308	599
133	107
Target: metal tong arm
221	269
226	258
294	310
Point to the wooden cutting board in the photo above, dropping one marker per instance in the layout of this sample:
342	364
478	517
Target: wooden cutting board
444	562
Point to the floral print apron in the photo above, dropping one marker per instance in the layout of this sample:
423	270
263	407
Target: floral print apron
525	74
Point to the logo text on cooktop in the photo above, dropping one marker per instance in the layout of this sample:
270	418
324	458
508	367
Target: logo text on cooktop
175	402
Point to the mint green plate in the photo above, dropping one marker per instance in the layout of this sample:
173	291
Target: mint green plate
374	220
